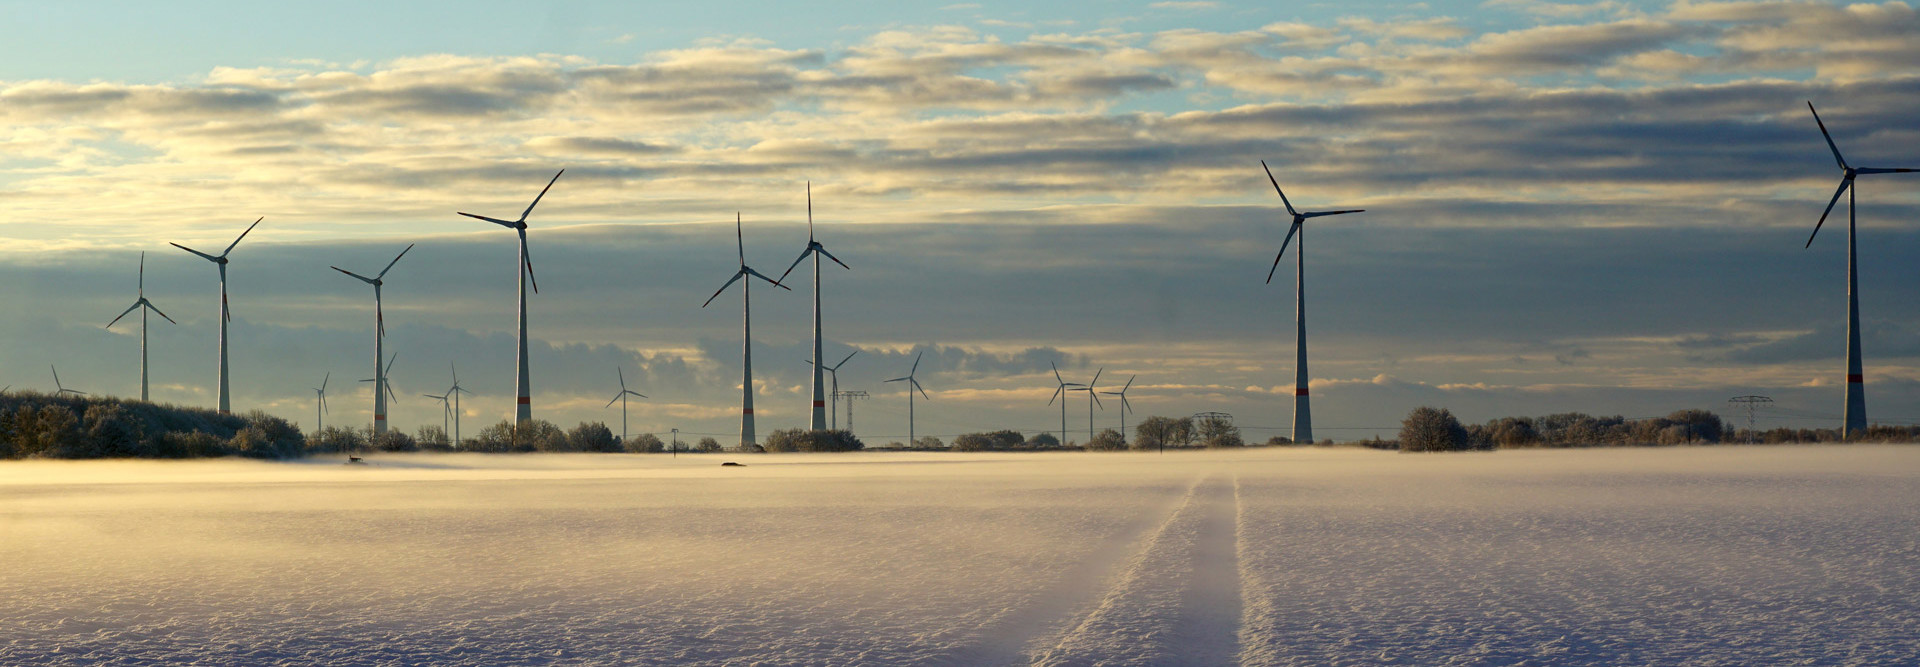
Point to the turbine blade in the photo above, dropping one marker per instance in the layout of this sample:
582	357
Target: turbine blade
1823	214
496	221
1096	376
156	310
916	363
809	212
1276	187
1823	133
723	288
843	361
1317	214
202	255
143	273
622	373
1056	373
256	223
756	274
1129	383
637	394
129	309
796	263
740	238
323	381
1282	253
56	378
923	390
894	380
528	259
362	278
1056	394
536	198
1884	170
836	260
396	260
1096	399
616	399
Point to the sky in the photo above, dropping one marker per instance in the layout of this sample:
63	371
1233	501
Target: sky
1570	207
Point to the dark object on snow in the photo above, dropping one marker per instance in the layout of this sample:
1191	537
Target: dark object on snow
730	463
351	460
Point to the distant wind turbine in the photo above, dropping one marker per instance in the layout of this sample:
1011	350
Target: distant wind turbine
144	305
1061	394
1093	398
1856	408
225	405
746	330
60	388
524	408
834	372
379	337
446	409
455	391
622	398
814	248
320	404
912	384
383	381
1302	412
1124	405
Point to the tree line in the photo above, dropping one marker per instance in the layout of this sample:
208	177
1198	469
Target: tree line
1429	429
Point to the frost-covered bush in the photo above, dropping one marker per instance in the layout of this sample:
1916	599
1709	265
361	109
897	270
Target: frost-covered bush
806	440
1043	441
1432	430
1106	441
708	445
645	443
593	437
1158	432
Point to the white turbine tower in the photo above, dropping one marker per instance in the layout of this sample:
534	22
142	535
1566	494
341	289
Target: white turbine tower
379	337
1124	405
1856	407
912	384
382	382
145	305
446	409
225	405
819	421
1061	394
455	391
523	411
622	398
834	372
746	330
1092	399
320	404
60	389
1302	412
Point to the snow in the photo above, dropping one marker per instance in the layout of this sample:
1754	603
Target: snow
1730	555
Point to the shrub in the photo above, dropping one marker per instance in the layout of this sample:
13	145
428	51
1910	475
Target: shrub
1043	441
111	432
645	443
708	445
1158	432
336	440
807	440
928	442
593	437
1216	432
1107	440
1432	430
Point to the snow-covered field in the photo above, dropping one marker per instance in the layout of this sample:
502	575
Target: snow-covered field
1728	555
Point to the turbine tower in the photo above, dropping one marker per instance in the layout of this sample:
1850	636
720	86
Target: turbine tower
523	411
1856	408
60	389
320	404
912	384
145	305
622	398
226	406
1092	398
1302	412
1124	405
834	372
381	384
446	409
379	338
1061	394
746	330
819	421
455	391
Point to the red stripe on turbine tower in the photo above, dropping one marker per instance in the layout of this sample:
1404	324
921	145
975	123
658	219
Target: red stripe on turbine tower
746	411
1300	391
819	404
526	400
1856	379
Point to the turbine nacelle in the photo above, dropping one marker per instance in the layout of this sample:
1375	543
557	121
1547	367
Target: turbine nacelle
1299	218
1847	174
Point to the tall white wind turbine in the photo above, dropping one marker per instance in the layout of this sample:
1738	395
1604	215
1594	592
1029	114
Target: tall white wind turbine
379	338
1302	412
320	404
912	384
226	405
523	410
746	330
1124	405
1061	395
622	398
144	305
819	421
1856	407
834	373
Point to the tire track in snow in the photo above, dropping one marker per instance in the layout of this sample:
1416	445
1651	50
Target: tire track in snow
1177	602
1257	617
1016	638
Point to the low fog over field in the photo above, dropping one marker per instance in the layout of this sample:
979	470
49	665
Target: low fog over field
1275	556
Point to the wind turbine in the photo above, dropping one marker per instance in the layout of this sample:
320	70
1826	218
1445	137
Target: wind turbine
1856	409
446	409
1124	405
834	371
1061	394
1302	412
746	330
381	383
226	316
60	389
524	410
145	305
455	391
912	384
379	338
622	398
320	404
1092	398
814	248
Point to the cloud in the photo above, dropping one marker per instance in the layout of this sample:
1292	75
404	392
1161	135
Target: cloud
1186	5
